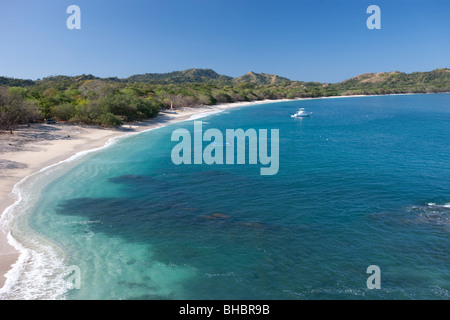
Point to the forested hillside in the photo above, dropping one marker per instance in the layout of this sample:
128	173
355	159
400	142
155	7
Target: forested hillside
112	101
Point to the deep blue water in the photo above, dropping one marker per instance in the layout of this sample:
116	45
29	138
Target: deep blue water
364	181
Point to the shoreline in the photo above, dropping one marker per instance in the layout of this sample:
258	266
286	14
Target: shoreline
45	151
48	151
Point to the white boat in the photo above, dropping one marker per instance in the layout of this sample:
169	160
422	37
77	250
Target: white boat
301	113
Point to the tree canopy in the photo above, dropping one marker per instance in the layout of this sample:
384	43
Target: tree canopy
113	101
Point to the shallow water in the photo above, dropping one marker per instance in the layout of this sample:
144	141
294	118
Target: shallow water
364	181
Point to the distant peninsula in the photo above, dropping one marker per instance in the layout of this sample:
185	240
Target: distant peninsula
112	101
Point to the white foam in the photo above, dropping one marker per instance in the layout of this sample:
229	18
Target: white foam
38	272
28	277
432	204
203	114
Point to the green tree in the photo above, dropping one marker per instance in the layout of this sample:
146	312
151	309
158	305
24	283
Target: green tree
129	108
109	120
15	110
64	112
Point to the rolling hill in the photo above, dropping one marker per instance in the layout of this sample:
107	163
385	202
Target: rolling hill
397	82
186	76
261	79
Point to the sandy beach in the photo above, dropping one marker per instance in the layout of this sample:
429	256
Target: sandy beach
30	149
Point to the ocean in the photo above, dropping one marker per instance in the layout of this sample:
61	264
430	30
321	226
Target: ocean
364	181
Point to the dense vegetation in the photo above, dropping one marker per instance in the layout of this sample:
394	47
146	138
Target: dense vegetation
397	82
112	101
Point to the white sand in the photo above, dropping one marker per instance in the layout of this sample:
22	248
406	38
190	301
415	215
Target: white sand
31	149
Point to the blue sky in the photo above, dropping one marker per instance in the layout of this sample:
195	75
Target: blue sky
315	40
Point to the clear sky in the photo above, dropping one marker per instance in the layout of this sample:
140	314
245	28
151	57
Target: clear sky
314	40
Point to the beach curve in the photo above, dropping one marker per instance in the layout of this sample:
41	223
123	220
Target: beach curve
39	156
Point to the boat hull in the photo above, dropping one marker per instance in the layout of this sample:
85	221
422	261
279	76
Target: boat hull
301	116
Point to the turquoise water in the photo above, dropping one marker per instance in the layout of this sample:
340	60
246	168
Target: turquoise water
364	181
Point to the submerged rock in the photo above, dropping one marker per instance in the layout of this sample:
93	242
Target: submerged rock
215	216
